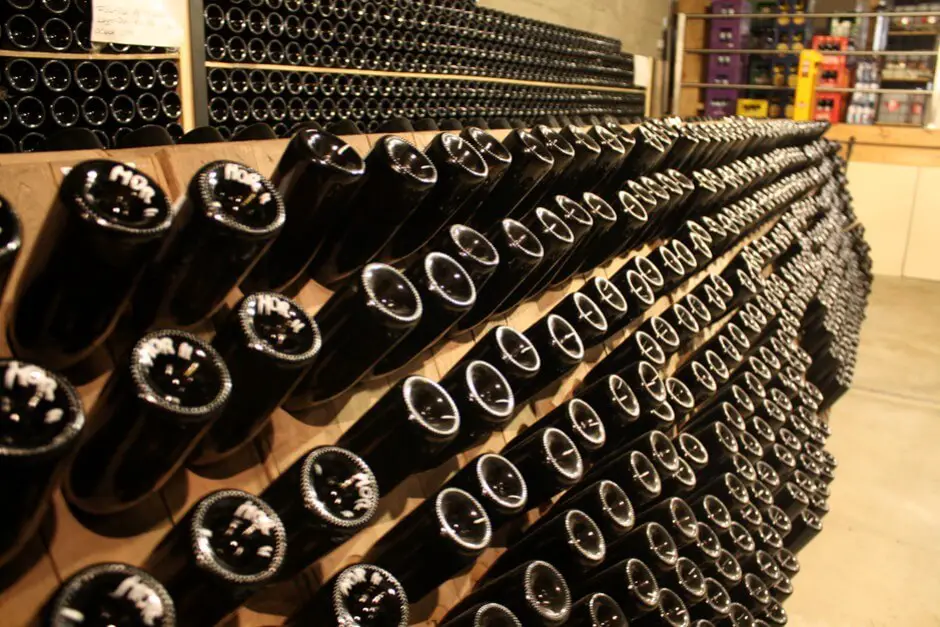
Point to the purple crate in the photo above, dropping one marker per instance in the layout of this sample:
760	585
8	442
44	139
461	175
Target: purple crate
726	68
720	102
730	7
728	34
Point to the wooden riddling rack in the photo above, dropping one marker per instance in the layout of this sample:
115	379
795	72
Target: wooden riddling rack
30	181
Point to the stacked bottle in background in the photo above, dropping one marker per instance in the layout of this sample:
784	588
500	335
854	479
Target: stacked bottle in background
698	433
46	94
406	36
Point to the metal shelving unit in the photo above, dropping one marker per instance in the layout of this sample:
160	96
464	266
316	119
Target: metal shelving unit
681	29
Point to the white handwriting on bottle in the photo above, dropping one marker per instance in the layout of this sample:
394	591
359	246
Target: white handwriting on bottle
274	304
260	521
137	182
19	374
143	597
235	172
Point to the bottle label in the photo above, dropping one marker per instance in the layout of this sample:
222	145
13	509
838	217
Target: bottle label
143	597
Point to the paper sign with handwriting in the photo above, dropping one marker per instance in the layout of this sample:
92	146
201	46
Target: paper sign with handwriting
138	22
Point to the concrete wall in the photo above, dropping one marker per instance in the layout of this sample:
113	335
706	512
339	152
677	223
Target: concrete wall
637	23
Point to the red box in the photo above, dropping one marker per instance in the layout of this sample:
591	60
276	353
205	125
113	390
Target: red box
829	107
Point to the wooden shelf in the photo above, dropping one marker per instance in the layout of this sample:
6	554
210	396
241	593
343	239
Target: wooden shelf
416	75
89	56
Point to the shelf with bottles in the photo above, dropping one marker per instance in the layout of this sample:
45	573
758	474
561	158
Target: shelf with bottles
74	544
239	96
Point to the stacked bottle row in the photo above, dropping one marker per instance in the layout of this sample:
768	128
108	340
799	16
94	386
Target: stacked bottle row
201	402
46	97
53	26
410	36
241	97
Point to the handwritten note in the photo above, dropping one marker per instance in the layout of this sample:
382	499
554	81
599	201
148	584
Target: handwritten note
139	22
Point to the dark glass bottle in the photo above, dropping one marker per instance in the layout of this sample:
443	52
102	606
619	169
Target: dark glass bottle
496	483
717	603
535	592
683	321
227	547
670	612
806	526
586	153
150	416
399	177
451	525
43	420
752	593
498	161
718	439
726	570
640	346
564	154
612	156
597	610
728	488
229	218
111	594
635	472
376	312
557	240
561	351
585	316
323	499
633	223
460	171
581	224
107	223
676	517
607	505
650	543
613	398
531	162
513	354
686	580
269	342
484	398
405	431
474	252
706	548
360	591
549	461
317	174
10	242
571	540
630	583
520	251
485	615
581	423
597	247
447	293
699	381
611	301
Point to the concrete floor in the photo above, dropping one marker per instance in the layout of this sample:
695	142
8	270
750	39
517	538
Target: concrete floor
877	561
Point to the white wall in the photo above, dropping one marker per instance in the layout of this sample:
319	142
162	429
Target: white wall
900	208
637	23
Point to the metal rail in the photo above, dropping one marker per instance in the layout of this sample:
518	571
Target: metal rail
767	16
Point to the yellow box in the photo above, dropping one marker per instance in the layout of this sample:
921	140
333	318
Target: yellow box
752	107
806	85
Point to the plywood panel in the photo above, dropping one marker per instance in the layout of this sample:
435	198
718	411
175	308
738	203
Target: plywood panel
922	260
884	201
